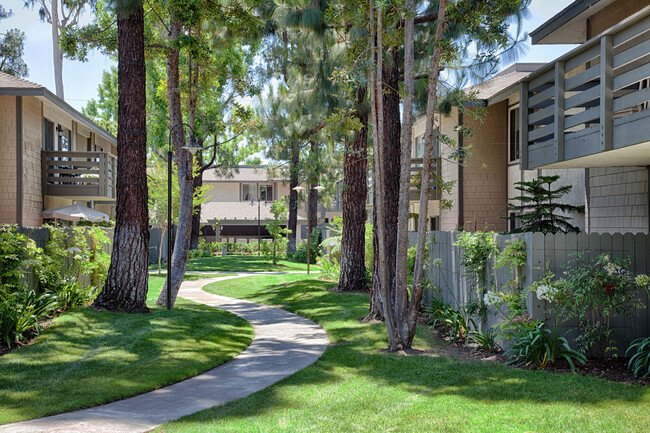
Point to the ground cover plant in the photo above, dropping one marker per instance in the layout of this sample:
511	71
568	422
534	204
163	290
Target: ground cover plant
357	386
86	357
240	263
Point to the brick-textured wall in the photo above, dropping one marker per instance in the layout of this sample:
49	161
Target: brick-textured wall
618	200
32	145
485	175
8	159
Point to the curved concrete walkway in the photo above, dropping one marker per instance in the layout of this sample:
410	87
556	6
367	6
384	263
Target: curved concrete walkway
284	343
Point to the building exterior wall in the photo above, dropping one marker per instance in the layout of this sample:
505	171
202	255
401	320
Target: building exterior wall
618	200
32	145
612	15
449	173
484	172
223	191
8	160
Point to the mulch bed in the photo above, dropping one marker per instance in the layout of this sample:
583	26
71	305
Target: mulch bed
613	369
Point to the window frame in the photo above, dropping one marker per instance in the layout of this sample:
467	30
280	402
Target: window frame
517	149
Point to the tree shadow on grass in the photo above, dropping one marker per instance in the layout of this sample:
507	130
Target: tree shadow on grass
88	357
357	346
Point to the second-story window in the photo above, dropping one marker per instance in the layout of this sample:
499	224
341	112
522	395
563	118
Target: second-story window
513	134
250	192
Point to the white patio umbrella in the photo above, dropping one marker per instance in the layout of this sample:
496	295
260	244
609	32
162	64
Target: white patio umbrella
75	213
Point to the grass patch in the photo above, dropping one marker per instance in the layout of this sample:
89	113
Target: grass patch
241	263
87	357
356	387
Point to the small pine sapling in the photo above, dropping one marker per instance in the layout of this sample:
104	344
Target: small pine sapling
540	205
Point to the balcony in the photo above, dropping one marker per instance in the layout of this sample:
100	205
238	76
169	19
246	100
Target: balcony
591	108
79	175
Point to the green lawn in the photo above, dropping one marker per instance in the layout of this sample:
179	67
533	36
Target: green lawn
87	357
357	387
241	263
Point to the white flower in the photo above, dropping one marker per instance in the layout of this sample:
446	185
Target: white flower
437	262
492	298
547	293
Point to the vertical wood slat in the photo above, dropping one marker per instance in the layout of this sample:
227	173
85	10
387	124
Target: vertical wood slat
523	125
102	175
606	93
558	133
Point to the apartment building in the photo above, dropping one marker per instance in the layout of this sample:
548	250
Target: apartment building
52	155
239	204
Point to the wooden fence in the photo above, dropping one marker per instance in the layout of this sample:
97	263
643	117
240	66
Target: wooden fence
456	288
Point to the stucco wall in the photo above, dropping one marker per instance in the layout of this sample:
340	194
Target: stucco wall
8	159
618	200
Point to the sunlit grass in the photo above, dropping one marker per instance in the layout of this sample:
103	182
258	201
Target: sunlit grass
358	387
241	263
88	357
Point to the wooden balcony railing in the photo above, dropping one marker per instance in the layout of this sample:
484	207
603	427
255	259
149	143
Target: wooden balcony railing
79	175
593	99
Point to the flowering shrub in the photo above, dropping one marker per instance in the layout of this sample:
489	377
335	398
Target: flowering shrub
547	293
477	248
492	298
594	293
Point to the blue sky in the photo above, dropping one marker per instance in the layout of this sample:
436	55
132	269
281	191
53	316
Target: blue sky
80	80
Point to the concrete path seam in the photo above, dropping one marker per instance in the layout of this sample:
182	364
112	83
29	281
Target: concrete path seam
284	343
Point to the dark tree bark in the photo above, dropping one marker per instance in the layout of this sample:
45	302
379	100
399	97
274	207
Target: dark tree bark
391	167
293	197
126	284
355	191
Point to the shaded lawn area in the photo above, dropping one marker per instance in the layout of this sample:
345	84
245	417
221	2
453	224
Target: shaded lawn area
356	387
241	263
87	357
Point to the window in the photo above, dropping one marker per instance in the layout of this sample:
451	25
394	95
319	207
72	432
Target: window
265	193
513	134
419	147
64	138
48	135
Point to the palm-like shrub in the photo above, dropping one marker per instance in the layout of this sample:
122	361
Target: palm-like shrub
541	346
639	363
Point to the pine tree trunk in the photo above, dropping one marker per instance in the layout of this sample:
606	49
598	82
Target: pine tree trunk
401	260
57	54
183	159
410	320
391	172
355	191
126	284
293	197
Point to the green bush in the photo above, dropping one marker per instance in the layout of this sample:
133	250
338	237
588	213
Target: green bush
456	323
68	270
300	255
593	293
195	254
541	346
210	247
486	340
329	270
639	363
21	312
